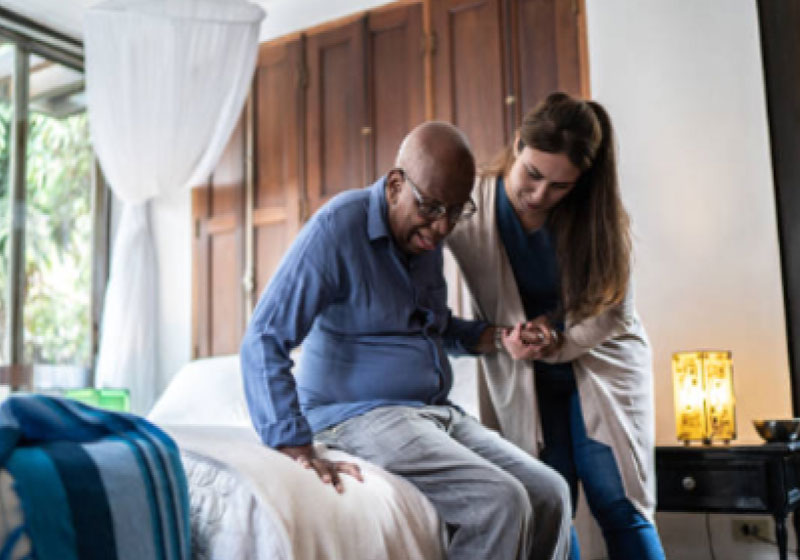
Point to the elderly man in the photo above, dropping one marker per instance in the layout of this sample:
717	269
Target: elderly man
362	288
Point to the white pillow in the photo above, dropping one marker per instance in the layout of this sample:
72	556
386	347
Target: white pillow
210	392
204	392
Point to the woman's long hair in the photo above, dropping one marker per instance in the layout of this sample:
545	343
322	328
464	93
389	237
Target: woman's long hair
590	225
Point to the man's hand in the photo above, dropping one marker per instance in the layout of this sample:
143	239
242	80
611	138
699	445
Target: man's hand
328	471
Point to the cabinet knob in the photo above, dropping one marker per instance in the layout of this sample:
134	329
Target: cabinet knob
366	130
510	100
689	483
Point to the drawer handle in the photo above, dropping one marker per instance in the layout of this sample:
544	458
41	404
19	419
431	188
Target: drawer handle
689	483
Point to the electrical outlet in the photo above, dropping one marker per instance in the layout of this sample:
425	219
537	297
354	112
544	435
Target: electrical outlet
750	530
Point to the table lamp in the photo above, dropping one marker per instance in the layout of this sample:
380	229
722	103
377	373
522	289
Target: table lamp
704	400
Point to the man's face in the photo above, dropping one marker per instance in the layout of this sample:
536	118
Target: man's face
422	212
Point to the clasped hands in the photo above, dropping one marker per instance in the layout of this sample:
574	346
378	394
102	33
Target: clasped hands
532	340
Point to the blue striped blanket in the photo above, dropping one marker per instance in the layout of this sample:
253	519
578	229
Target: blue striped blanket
93	484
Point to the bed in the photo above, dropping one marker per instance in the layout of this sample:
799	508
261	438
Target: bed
249	501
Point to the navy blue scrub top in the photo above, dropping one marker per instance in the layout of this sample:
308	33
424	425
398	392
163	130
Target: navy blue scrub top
533	260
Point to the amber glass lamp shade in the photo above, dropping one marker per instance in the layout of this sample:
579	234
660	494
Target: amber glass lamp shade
704	399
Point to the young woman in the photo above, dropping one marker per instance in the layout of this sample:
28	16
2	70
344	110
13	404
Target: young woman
549	252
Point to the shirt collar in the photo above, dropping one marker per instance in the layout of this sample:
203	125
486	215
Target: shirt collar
377	219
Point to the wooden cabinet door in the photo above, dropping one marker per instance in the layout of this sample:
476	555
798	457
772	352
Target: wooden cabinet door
395	83
335	113
218	248
548	41
277	152
330	109
468	71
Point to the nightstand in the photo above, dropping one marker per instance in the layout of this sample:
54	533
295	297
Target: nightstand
732	479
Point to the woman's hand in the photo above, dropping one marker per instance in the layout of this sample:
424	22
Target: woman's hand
542	335
520	346
533	340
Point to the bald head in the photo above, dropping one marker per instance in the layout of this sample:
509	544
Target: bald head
440	152
435	169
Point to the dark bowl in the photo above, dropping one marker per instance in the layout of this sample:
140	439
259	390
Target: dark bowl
778	430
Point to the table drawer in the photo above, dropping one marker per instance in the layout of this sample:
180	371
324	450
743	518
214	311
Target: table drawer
711	485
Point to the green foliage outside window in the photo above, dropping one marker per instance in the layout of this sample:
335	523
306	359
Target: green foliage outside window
56	309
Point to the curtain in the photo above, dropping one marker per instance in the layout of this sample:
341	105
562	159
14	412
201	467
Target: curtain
166	81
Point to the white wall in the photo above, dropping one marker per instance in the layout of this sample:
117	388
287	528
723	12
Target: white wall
682	80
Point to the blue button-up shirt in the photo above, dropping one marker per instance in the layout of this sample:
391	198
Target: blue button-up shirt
373	321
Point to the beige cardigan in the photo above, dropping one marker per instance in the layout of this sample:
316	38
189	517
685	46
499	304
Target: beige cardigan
610	355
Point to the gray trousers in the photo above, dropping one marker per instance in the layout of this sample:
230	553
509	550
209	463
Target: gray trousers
497	501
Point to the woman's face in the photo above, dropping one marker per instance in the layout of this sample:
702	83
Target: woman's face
538	181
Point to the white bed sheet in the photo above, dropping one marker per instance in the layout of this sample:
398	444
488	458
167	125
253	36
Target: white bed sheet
250	501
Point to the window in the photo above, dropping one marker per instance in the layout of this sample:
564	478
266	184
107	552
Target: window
56	307
6	114
53	243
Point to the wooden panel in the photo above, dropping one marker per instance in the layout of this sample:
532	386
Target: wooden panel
395	83
330	108
269	216
272	239
278	124
546	39
218	247
468	71
335	112
201	282
226	294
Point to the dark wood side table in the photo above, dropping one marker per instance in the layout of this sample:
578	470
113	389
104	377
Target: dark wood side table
732	479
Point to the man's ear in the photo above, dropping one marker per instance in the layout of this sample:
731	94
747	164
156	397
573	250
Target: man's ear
394	182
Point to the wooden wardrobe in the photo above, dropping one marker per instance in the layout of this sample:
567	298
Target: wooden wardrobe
329	107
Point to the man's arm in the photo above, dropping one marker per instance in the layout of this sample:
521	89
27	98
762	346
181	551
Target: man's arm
301	288
525	341
479	337
298	292
466	337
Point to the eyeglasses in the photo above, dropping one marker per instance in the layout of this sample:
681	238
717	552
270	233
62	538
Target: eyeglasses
433	210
